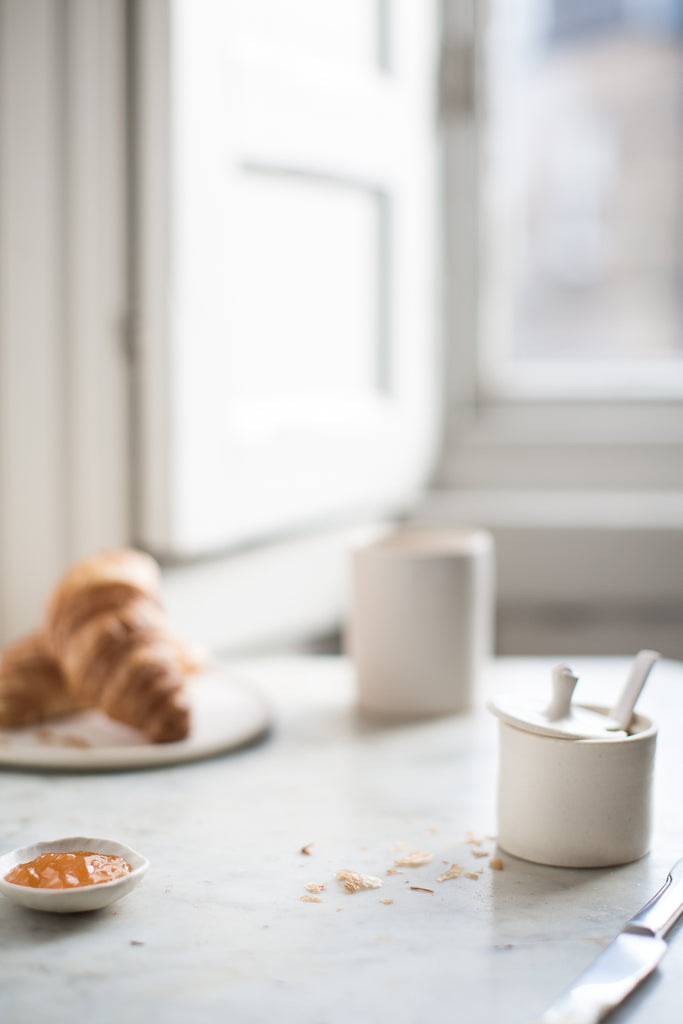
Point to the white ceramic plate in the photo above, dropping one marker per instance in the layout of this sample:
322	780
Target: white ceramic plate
85	897
226	714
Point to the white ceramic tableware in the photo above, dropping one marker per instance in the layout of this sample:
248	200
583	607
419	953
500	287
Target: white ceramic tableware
226	712
420	621
85	897
637	677
574	790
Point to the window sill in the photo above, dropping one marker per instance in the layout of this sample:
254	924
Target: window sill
585	572
558	509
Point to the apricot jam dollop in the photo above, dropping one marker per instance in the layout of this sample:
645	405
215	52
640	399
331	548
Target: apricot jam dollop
68	870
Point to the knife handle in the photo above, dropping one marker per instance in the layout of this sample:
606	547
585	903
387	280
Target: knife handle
663	910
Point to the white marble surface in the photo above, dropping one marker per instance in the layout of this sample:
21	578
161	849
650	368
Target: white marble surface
217	931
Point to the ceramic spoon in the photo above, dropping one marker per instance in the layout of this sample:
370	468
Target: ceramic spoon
622	712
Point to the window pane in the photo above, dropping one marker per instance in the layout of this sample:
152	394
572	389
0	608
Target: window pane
309	288
347	31
584	196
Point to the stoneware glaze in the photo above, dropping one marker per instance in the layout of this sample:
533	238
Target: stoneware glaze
576	803
421	619
570	799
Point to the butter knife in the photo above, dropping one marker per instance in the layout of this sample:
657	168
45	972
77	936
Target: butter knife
626	962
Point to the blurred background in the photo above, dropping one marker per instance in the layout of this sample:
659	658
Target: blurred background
274	271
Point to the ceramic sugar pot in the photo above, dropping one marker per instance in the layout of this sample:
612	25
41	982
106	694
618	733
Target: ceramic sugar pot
575	780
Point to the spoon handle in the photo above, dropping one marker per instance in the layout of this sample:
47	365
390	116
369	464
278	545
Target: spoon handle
622	711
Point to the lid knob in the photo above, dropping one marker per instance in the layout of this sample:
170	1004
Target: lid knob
564	682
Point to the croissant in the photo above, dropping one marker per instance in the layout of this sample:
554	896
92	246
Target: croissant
33	687
106	630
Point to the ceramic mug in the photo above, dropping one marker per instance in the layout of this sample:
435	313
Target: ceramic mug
420	623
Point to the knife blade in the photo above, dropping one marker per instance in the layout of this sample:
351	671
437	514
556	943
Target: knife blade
627	961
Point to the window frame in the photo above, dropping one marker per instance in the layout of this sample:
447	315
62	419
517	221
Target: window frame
626	439
553	477
64	357
353	459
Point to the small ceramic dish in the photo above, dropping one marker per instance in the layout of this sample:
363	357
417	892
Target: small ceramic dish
83	897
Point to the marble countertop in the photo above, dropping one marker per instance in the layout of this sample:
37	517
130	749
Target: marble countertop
217	929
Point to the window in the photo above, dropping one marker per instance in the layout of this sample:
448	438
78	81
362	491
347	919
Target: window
222	330
583	162
287	328
258	286
565	433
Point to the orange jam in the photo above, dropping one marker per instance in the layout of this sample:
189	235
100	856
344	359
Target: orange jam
68	870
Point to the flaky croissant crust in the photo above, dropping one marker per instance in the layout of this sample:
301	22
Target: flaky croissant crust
33	687
105	643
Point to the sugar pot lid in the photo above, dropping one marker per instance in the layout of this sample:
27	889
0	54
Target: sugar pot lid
561	718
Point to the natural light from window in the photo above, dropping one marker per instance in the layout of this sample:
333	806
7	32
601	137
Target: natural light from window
583	158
